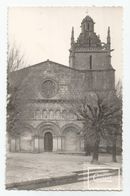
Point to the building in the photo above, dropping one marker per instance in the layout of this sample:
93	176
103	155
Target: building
44	123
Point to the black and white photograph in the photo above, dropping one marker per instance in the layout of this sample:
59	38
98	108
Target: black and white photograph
64	98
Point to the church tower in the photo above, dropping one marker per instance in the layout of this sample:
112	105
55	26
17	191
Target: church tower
88	52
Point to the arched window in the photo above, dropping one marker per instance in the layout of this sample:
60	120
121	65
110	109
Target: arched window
90	61
44	113
71	114
88	26
64	113
57	114
37	114
31	114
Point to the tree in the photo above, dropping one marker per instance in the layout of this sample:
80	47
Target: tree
116	130
14	61
101	117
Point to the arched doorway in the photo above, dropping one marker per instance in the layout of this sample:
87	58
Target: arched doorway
48	142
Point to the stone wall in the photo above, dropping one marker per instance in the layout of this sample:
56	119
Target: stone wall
32	137
100	60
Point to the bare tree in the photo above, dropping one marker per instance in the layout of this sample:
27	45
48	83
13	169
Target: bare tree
14	61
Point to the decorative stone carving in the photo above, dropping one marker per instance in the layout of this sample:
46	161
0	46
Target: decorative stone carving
48	88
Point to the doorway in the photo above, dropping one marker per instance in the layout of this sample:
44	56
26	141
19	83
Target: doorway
48	142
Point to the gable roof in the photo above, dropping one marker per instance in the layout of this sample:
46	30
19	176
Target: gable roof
16	77
44	63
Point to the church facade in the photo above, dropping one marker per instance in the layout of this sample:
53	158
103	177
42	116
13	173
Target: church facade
45	123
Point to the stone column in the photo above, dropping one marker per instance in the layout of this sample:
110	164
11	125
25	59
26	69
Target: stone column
12	144
7	143
59	143
62	143
35	144
55	141
82	143
41	144
78	144
17	144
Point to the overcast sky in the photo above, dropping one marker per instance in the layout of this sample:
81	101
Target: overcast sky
43	33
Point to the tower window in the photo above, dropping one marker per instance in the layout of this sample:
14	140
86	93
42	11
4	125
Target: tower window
88	26
90	61
89	41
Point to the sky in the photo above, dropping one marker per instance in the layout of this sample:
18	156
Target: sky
42	33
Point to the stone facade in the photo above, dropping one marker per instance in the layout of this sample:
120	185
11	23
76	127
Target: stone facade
44	123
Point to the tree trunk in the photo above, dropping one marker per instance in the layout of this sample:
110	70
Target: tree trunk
114	149
96	151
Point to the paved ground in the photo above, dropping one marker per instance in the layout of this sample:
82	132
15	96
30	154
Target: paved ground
113	183
25	166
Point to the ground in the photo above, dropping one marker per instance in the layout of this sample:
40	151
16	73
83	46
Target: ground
26	166
84	186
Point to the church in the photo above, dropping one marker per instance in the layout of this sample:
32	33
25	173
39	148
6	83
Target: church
44	124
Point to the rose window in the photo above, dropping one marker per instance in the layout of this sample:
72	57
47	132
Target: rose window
48	88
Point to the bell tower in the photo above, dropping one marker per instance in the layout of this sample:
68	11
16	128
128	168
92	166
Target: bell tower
88	52
87	25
